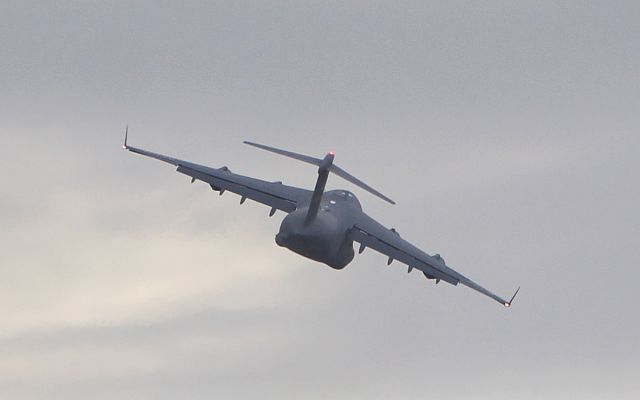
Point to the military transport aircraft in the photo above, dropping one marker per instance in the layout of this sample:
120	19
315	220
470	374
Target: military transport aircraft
322	225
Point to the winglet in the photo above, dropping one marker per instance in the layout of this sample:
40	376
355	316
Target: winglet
126	133
508	304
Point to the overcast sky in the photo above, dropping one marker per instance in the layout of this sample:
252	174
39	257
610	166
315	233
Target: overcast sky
506	131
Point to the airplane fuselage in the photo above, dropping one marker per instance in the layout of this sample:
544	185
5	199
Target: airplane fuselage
324	238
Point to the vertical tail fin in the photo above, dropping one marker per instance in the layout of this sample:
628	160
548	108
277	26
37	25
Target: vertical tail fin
318	191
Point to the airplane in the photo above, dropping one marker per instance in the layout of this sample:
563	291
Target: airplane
322	225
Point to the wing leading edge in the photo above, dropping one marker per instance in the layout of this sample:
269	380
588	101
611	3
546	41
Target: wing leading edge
370	233
273	194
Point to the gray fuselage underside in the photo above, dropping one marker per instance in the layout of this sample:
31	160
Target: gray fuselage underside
325	238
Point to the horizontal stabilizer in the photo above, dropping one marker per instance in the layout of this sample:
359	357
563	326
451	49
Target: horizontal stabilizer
318	162
299	157
348	177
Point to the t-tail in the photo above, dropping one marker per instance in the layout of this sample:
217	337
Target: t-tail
325	165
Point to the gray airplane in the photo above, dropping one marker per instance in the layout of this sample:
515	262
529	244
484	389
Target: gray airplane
322	225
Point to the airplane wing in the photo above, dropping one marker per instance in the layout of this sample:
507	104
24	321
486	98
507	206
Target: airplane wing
370	233
273	194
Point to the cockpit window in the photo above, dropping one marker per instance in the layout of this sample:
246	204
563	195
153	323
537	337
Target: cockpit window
345	195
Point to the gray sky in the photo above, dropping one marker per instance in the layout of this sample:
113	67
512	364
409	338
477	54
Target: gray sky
514	122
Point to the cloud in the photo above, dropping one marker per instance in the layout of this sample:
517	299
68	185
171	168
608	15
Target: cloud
80	271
